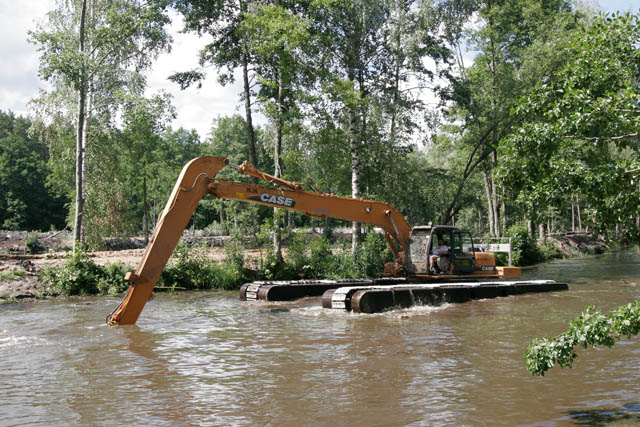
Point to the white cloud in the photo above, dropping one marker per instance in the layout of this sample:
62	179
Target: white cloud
19	81
196	108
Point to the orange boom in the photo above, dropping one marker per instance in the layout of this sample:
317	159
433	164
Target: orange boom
412	248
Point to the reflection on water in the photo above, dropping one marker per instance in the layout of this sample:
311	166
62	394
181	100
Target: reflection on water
605	417
210	359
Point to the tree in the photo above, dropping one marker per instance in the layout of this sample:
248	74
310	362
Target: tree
279	38
24	194
589	329
145	119
582	123
485	93
228	139
228	49
89	47
371	59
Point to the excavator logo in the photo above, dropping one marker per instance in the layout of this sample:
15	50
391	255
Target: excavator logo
274	200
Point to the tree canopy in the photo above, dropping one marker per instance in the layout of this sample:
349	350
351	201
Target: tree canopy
536	123
582	124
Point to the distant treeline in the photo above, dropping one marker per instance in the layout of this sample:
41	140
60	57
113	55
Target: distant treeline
538	131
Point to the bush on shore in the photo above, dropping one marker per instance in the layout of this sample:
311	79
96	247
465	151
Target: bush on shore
307	257
81	276
192	269
525	248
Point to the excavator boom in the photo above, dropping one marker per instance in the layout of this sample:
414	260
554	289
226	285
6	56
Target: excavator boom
320	205
198	179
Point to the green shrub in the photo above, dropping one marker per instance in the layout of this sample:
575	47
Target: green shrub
81	276
312	258
550	251
321	259
112	282
372	256
525	250
343	265
193	269
13	275
31	245
275	269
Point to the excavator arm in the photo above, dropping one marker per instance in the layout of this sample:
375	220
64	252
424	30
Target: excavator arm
198	179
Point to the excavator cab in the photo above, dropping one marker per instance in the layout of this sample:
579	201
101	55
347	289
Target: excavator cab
418	256
424	242
463	252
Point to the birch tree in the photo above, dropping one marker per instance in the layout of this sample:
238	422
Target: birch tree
92	48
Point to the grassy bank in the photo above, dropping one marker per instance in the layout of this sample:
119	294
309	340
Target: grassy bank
306	257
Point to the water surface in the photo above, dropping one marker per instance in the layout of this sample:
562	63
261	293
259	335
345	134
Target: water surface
207	358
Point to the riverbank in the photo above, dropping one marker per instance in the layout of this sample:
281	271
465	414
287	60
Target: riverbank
19	270
577	244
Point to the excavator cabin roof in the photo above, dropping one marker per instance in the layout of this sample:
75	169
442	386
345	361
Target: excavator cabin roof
436	228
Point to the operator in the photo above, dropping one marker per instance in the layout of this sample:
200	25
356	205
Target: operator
443	250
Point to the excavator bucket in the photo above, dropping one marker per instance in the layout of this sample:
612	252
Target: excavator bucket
189	189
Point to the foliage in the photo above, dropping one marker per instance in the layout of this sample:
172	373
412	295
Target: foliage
31	245
582	121
344	86
524	247
193	269
12	275
590	329
372	255
24	193
81	276
550	251
314	258
508	41
91	51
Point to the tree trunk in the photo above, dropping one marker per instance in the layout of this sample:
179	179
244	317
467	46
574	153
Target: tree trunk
85	165
355	178
396	86
277	229
251	138
488	191
579	216
495	205
503	208
145	211
531	228
82	93
573	216
494	196
542	237
353	144
222	216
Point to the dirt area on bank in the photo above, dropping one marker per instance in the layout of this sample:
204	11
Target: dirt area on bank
19	270
575	244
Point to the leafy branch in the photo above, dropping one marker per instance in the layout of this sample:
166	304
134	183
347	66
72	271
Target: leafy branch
589	329
602	138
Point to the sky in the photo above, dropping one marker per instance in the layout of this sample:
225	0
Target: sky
196	108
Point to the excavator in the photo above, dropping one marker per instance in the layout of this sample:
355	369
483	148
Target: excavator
414	249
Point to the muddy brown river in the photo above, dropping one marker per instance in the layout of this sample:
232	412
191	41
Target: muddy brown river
207	358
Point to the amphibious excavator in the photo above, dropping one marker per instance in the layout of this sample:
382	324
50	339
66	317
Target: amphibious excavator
411	247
